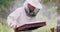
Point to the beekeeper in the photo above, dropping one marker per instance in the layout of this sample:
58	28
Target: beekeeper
25	14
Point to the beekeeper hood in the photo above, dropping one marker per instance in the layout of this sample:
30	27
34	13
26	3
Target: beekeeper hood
35	3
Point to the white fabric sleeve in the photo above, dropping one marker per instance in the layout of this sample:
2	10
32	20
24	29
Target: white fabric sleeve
12	18
11	21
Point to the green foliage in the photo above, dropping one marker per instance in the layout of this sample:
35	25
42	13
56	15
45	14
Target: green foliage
4	29
5	3
4	6
53	9
48	1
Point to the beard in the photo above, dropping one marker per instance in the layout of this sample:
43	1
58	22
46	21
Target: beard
32	13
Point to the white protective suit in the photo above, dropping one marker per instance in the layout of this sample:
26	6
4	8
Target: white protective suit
19	17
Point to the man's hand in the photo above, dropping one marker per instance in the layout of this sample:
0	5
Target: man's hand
14	26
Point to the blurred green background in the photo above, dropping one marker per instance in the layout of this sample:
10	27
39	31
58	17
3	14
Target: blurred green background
48	13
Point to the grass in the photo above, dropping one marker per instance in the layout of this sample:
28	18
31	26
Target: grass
4	28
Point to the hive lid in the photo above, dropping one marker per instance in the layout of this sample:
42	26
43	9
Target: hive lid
32	26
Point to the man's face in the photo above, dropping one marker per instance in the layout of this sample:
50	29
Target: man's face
32	11
31	8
